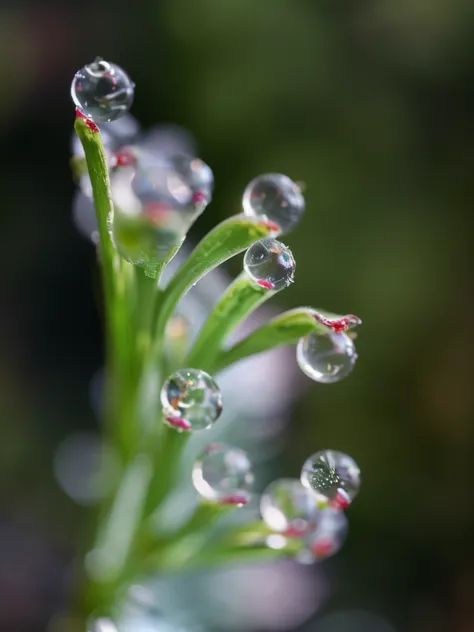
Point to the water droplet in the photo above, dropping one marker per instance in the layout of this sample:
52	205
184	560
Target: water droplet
327	539
156	200
223	474
276	198
270	264
326	358
191	400
179	181
289	508
333	476
102	91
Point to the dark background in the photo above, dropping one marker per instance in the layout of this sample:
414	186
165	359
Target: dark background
370	103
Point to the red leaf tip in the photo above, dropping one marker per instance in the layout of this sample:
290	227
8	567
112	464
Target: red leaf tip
338	325
90	123
272	226
178	423
233	500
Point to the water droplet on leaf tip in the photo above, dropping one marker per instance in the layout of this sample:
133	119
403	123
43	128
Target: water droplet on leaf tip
289	508
275	198
270	264
326	358
334	477
191	400
102	91
223	474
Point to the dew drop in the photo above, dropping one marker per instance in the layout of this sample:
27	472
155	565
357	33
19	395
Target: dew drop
276	198
103	91
156	201
179	181
333	476
327	539
223	474
289	508
270	264
191	400
326	358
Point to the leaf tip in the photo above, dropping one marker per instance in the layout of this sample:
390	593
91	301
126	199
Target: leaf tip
338	325
89	122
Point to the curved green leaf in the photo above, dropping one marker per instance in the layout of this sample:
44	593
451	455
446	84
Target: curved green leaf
242	297
223	242
285	329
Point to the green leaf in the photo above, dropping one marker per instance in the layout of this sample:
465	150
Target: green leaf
242	297
285	329
223	242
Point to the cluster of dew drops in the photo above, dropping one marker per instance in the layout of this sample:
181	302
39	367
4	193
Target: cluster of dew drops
310	508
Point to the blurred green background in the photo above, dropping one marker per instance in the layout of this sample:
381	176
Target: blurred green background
371	104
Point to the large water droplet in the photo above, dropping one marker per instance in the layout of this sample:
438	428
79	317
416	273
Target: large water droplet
270	264
223	474
275	198
180	181
191	400
102	90
333	476
326	358
328	537
156	201
289	508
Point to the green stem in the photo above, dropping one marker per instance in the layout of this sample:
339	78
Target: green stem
108	559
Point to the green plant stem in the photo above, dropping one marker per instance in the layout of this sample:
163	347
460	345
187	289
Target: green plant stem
242	297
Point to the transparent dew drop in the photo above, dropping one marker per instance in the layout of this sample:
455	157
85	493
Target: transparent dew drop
334	478
327	539
191	400
156	200
223	474
275	198
326	358
270	264
289	508
102	91
180	181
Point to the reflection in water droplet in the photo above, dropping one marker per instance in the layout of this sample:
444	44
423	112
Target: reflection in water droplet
270	263
192	397
276	198
326	358
102	91
333	476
